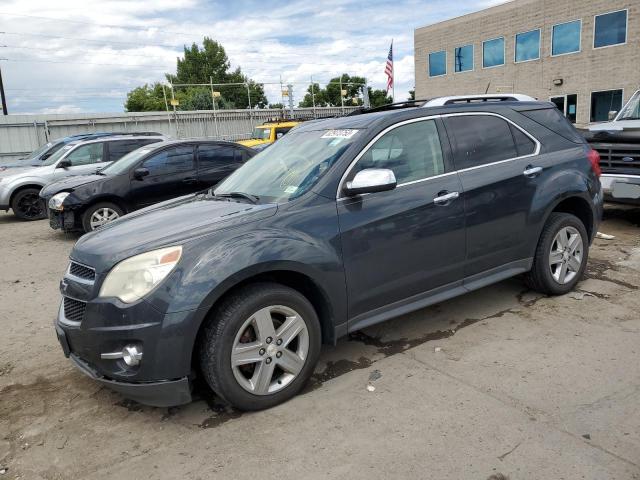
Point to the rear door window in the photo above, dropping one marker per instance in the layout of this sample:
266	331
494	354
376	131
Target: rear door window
480	139
216	156
171	160
524	144
119	148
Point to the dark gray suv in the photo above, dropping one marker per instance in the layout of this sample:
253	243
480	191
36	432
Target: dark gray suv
343	223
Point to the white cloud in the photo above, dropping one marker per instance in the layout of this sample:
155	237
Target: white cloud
61	64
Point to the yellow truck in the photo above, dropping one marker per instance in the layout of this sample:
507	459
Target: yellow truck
268	133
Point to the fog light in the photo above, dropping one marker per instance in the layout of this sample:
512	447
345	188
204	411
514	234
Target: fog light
131	354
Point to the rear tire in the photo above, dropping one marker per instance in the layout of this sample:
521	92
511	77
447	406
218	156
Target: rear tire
100	214
27	204
250	353
561	256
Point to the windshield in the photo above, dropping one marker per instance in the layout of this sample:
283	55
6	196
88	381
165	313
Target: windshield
261	133
59	154
290	167
125	163
36	153
631	110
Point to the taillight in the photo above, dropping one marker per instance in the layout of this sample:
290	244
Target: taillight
594	160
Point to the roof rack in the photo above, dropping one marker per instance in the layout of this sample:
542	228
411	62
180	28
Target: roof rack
389	106
451	100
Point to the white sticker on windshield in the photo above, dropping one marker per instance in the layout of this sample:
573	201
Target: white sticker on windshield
290	189
344	133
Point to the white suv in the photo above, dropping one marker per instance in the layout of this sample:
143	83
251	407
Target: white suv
20	187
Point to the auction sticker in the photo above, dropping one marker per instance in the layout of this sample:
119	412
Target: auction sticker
344	133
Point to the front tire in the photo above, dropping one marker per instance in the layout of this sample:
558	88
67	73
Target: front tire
260	346
100	214
27	205
561	256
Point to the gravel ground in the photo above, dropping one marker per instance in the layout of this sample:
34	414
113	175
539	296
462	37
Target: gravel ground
500	381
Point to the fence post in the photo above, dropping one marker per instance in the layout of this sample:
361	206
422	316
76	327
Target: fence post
215	118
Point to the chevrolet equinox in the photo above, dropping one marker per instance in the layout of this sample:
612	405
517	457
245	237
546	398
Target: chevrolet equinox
341	224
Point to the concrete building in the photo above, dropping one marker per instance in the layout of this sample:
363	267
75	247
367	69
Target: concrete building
584	55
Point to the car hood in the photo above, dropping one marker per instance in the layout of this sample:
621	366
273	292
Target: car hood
23	162
69	183
169	223
252	142
616	126
10	172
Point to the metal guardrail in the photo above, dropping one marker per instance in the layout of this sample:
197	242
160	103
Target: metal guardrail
21	134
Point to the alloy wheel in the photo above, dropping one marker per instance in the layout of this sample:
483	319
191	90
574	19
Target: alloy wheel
31	206
270	350
102	216
567	253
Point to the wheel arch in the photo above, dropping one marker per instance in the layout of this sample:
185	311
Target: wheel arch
21	187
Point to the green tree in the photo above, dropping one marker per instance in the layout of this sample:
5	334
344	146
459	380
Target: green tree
378	98
202	65
147	98
412	94
330	95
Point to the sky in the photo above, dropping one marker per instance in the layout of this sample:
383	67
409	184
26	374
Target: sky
76	56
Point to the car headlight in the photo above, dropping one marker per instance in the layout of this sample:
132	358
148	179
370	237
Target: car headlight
55	202
133	278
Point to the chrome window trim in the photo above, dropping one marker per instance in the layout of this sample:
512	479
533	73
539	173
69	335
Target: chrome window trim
340	197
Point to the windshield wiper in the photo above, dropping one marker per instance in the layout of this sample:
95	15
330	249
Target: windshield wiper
246	196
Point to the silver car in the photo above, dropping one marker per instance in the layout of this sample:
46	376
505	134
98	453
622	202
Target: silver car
20	187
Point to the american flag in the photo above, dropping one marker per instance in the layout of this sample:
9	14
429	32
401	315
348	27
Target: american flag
388	69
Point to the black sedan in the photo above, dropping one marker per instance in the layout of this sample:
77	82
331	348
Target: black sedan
149	175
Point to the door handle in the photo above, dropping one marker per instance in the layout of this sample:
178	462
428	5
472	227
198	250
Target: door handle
532	171
445	197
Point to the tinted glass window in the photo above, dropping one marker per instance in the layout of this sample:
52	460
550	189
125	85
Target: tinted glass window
610	29
524	144
211	156
493	53
604	102
281	131
437	64
171	160
86	154
528	46
566	38
464	58
412	152
119	149
555	121
480	139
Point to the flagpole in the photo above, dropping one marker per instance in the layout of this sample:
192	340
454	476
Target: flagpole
393	72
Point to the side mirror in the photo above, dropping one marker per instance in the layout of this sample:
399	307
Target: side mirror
140	173
612	114
64	164
371	180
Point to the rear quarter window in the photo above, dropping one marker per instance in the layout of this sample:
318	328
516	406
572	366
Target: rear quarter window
552	119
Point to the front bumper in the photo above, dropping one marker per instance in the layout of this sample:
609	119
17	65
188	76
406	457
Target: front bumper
162	377
157	394
65	220
621	188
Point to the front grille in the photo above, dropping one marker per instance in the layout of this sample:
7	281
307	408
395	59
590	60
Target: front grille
74	309
80	271
622	158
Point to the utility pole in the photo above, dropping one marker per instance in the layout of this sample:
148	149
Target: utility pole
290	90
313	98
4	99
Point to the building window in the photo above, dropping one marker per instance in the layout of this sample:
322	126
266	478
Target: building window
437	64
604	102
493	53
464	58
527	46
568	105
610	29
566	38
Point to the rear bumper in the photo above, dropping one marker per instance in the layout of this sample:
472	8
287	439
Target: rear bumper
621	188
